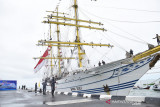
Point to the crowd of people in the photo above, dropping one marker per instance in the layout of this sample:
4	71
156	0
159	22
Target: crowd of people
23	87
44	83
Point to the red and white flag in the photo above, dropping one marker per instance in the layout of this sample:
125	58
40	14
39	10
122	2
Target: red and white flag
41	62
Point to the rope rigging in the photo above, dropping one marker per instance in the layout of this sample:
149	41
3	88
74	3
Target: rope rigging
128	33
123	21
125	37
142	41
104	55
111	40
119	35
120	8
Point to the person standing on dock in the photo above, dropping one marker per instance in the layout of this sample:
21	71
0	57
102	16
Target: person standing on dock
44	87
158	39
24	87
35	87
53	85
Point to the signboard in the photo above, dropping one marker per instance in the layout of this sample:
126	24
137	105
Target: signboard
8	85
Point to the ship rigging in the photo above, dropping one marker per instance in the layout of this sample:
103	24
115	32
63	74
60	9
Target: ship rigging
118	76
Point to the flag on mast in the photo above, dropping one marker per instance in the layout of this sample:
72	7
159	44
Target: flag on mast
41	62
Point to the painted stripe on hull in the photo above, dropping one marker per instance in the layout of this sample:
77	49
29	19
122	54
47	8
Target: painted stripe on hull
112	88
92	92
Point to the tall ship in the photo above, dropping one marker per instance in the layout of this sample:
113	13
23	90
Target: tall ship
67	57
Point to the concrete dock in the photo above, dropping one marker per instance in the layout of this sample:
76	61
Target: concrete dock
21	98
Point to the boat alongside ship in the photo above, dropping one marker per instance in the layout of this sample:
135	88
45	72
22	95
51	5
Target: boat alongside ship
156	88
156	85
114	78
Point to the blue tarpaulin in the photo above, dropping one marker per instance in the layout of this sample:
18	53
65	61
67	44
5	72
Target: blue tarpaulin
8	85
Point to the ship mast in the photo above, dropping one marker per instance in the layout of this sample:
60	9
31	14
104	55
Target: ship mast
58	20
51	52
59	57
77	34
58	47
77	42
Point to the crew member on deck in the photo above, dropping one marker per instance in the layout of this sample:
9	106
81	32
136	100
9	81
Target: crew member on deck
103	62
99	63
131	52
128	55
158	39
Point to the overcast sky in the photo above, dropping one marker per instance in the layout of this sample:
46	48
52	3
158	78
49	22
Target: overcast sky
21	28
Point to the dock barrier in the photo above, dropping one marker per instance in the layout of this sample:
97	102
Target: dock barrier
137	99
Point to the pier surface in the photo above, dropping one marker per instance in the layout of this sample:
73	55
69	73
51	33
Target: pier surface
22	98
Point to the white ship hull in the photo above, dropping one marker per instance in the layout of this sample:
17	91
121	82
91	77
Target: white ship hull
119	77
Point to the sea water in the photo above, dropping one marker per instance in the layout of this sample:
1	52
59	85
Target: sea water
144	92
